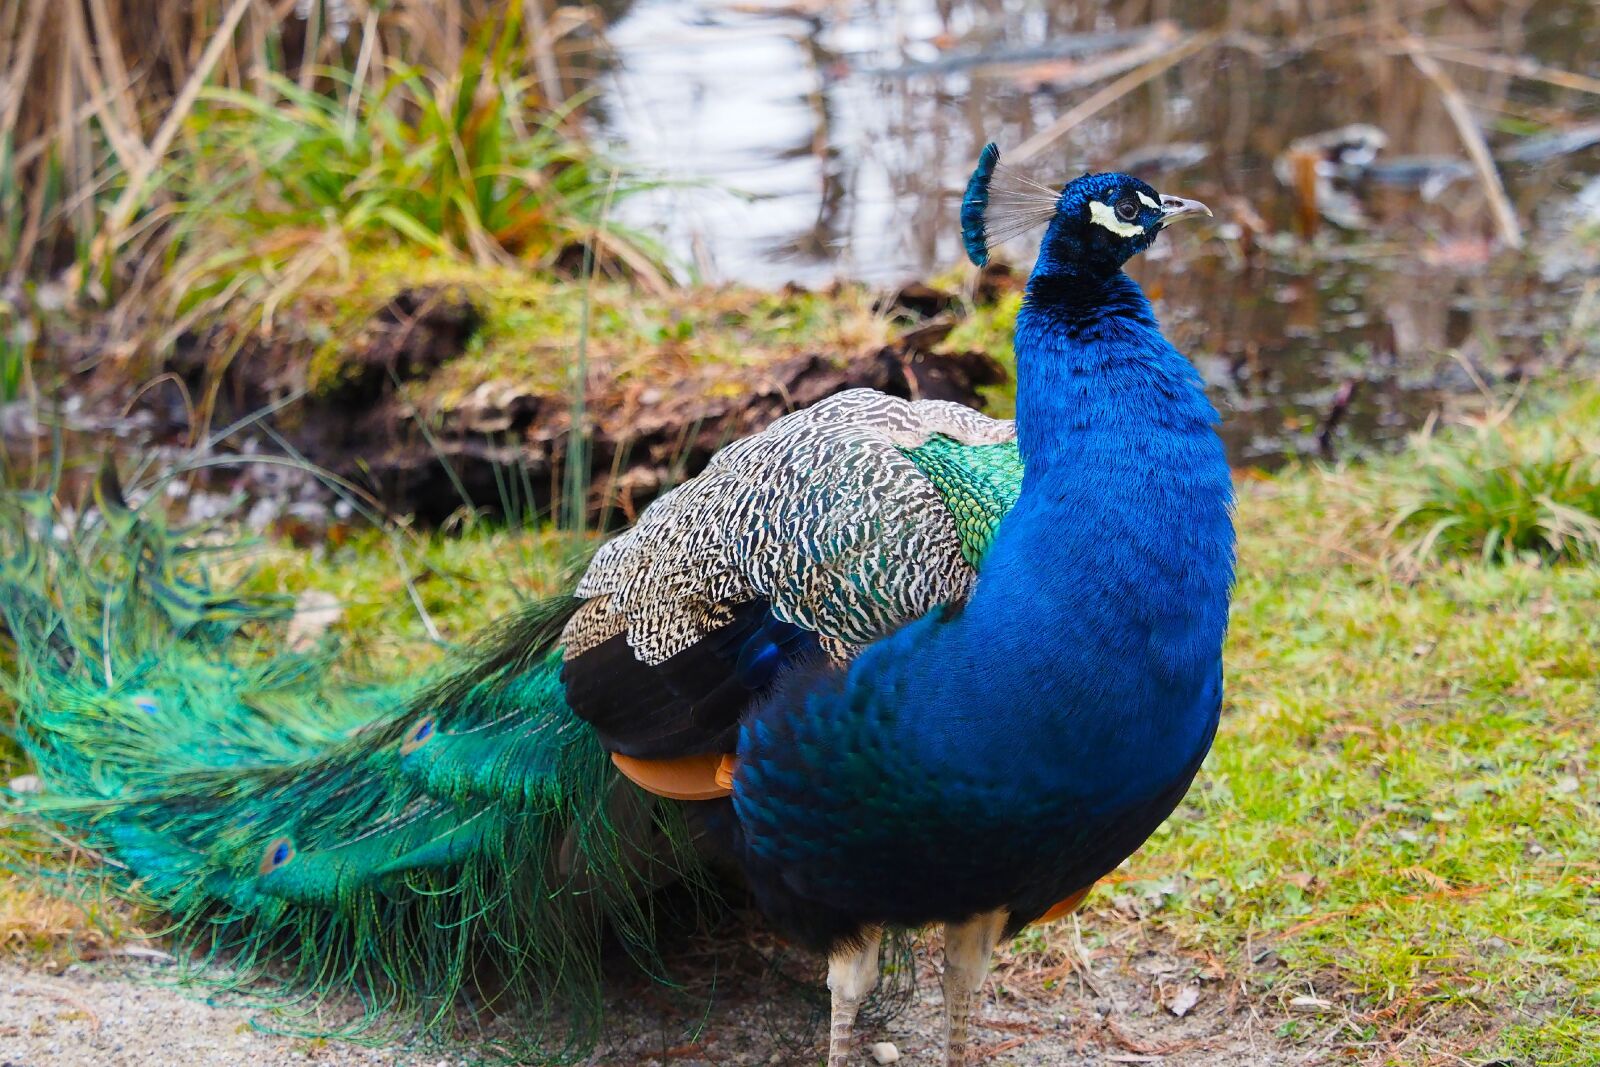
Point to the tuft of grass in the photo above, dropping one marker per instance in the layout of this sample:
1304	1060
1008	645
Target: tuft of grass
95	92
178	170
46	923
1501	488
278	182
46	915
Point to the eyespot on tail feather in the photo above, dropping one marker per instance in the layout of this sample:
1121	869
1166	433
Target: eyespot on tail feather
975	204
279	850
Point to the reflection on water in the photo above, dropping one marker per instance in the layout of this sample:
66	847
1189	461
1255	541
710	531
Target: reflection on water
851	124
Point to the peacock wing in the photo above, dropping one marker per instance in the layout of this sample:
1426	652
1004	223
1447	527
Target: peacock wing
831	527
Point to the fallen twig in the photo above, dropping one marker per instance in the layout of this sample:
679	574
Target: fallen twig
1064	74
130	952
989	1052
1135	1044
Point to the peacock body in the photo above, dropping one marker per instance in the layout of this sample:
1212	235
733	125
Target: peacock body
914	664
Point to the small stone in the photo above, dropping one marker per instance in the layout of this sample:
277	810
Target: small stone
1183	1001
885	1052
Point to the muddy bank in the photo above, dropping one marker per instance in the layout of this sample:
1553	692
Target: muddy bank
403	401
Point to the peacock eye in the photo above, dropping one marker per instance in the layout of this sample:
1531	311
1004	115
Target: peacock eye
1127	209
279	850
417	735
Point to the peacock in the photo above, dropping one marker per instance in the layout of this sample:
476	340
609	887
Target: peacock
885	665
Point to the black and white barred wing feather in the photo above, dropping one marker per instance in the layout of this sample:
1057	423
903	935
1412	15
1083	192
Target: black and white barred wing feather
816	535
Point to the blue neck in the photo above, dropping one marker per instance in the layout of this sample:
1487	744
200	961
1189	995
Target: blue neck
1092	363
1015	748
1097	622
1124	523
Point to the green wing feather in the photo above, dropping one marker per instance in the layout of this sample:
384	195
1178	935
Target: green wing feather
978	483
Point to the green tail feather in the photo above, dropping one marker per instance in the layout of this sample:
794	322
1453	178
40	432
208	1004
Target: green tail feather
395	842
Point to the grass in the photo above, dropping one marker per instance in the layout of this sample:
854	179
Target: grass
1402	801
1499	489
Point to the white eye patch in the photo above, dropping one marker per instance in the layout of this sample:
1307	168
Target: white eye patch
1105	215
1146	201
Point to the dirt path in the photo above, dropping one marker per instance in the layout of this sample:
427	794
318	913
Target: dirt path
108	1014
116	1013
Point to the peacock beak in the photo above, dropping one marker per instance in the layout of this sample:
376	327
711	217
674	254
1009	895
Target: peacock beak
1176	207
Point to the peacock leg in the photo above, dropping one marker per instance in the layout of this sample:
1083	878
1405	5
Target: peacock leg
968	947
852	972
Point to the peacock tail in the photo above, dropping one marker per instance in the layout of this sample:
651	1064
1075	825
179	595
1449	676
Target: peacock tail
403	843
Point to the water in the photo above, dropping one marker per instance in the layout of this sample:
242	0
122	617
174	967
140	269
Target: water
851	127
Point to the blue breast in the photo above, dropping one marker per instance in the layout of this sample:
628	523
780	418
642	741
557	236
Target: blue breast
1009	753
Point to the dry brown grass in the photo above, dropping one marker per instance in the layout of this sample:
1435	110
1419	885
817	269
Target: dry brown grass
53	910
94	93
47	925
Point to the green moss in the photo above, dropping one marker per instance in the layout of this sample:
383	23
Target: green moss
988	329
532	322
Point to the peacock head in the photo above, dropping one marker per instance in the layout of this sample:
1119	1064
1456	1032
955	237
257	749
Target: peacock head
1104	220
1094	225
